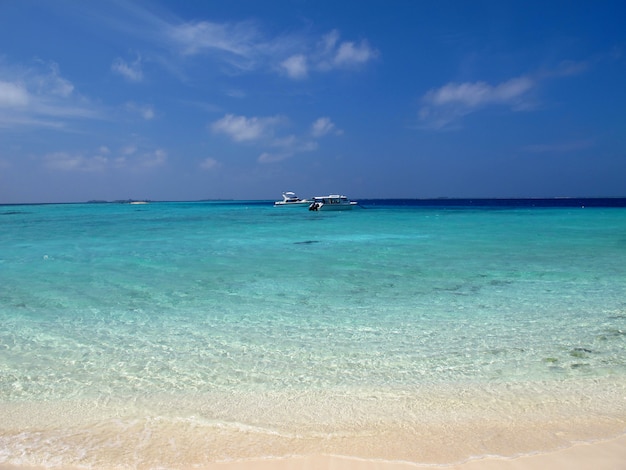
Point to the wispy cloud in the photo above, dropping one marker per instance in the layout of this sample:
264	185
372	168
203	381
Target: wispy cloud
296	66
130	71
473	95
13	95
262	133
327	54
51	82
38	96
323	126
103	159
349	54
235	46
241	128
244	40
246	46
198	37
444	105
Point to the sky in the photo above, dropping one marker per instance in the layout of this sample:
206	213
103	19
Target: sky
193	100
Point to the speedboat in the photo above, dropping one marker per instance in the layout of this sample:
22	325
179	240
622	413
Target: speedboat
291	200
333	202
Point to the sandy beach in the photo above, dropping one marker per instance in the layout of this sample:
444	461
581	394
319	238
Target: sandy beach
606	455
602	455
524	431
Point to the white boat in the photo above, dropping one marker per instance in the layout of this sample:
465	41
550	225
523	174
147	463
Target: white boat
291	200
333	202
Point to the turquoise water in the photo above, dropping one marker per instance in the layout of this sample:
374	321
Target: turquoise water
171	303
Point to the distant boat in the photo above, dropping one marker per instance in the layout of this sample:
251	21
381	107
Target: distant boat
333	202
138	202
291	200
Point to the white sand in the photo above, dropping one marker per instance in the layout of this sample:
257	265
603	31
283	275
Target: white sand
604	455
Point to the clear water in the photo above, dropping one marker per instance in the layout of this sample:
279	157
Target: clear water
218	312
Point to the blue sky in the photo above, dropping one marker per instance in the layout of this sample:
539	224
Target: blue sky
184	100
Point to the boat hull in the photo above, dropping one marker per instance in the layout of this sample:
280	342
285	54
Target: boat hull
336	207
292	204
334	202
290	199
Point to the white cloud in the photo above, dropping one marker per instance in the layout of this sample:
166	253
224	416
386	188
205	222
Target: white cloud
261	131
236	46
323	126
350	54
331	53
296	66
328	43
52	83
202	36
13	95
444	105
244	47
239	46
131	72
479	93
38	96
241	128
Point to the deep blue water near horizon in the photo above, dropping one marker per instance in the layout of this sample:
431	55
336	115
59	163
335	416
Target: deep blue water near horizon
443	202
128	302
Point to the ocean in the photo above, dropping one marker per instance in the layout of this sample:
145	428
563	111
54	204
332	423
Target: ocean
176	334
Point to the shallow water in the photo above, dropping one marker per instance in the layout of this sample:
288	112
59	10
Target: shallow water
244	330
